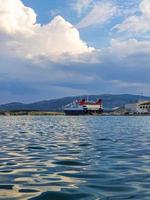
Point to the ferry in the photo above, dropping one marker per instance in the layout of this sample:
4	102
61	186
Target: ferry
84	107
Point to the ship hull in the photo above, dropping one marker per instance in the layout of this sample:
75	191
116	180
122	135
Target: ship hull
74	112
81	112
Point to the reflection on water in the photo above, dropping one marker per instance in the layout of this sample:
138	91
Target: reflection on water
68	158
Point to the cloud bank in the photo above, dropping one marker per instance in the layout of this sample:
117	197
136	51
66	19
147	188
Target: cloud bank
48	61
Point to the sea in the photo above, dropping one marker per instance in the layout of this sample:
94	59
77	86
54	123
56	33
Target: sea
74	157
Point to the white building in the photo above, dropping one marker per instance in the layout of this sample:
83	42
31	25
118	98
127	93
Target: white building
139	107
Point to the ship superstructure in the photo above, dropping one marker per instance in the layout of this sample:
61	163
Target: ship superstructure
83	107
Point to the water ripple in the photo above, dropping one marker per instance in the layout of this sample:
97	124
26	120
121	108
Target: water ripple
61	158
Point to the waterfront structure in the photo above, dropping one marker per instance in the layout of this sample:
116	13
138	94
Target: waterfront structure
142	107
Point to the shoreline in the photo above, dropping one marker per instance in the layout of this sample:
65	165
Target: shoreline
48	113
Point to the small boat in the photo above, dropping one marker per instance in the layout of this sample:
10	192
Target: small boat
84	107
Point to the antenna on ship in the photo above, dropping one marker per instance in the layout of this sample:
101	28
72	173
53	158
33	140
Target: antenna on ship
87	98
141	96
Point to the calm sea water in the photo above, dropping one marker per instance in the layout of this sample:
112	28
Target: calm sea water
69	158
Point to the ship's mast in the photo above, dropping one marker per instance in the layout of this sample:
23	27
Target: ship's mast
87	98
141	96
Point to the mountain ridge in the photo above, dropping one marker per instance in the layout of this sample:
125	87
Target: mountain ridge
109	101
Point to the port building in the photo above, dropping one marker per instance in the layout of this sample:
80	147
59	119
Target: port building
142	107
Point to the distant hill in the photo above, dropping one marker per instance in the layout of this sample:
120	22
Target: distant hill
109	101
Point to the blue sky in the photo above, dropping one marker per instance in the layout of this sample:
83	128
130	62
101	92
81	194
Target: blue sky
50	49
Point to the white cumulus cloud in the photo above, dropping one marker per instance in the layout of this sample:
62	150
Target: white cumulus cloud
145	8
131	47
15	17
27	38
137	23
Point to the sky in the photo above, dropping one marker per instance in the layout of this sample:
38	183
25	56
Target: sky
56	48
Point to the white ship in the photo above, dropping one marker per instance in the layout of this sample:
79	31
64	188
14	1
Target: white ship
84	107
